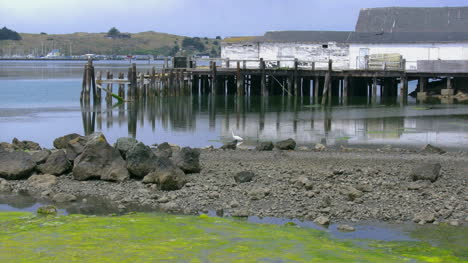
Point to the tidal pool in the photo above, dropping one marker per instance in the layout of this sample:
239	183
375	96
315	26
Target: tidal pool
154	237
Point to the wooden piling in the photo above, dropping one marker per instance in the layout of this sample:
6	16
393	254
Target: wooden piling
264	91
213	78
296	77
239	80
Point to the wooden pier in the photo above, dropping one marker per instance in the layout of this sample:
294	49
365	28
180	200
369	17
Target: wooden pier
265	78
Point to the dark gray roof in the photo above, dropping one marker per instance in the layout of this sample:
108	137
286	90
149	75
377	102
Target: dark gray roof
305	36
361	37
413	19
408	37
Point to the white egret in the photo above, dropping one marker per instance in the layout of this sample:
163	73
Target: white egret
237	138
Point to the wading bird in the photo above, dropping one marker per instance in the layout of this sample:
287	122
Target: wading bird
237	138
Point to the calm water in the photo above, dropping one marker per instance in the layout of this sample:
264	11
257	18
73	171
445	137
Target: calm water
39	101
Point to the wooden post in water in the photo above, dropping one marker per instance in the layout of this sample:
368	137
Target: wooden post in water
316	87
374	90
98	91
142	91
121	86
213	78
133	82
263	78
296	77
327	84
239	80
83	84
345	90
109	88
403	89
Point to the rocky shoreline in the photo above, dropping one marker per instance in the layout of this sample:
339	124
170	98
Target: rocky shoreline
321	185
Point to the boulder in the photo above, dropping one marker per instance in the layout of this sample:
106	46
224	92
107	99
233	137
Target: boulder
99	160
141	160
432	149
75	147
345	228
16	165
304	182
229	145
320	147
4	146
351	193
63	198
25	145
62	142
288	144
258	193
265	146
124	144
429	172
322	220
56	164
424	217
188	160
244	177
40	156
4	185
163	150
42	181
47	210
167	179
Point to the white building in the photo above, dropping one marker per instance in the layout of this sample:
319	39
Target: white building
427	39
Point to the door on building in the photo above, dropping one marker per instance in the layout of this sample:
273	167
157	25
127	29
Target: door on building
362	59
433	53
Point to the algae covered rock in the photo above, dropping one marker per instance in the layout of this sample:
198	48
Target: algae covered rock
25	145
62	142
47	210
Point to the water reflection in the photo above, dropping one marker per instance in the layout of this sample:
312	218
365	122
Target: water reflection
210	120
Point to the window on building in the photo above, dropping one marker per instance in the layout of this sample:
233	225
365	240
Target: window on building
325	46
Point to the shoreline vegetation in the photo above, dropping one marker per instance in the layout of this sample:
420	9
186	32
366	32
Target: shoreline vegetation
275	180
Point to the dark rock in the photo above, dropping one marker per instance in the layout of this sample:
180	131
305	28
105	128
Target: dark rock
47	210
75	147
432	149
288	144
229	145
167	179
124	144
63	198
264	146
163	150
100	161
40	156
62	142
141	160
16	165
428	172
56	164
244	177
25	145
188	160
42	181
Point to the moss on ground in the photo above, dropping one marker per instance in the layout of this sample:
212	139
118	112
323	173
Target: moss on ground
25	237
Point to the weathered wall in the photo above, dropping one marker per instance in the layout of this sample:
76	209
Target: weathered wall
412	52
287	52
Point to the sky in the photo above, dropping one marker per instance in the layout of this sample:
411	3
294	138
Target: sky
192	17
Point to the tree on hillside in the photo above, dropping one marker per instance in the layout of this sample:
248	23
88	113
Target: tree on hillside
113	32
218	37
193	43
7	34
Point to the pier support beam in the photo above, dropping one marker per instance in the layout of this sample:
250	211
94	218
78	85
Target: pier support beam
422	94
345	90
403	89
263	85
449	90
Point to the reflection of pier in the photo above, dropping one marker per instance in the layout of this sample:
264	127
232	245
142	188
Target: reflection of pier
268	118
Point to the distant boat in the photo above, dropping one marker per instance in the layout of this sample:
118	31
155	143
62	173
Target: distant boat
53	54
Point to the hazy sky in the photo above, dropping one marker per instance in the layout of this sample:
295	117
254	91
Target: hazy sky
191	17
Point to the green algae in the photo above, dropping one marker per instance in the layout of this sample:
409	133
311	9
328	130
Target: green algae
169	238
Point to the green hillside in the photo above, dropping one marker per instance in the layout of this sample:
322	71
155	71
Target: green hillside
98	43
